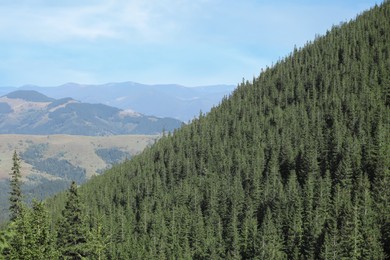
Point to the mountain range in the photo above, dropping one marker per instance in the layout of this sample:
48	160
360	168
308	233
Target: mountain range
30	112
169	100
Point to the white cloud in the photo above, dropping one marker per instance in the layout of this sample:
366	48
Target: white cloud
46	23
161	20
151	21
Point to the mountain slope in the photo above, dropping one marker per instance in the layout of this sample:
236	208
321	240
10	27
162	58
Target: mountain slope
294	164
30	112
183	103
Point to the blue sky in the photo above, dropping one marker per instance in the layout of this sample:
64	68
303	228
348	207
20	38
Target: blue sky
188	42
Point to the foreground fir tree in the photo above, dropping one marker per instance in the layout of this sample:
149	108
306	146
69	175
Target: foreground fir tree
28	235
5	237
31	237
15	209
20	236
15	193
43	243
72	232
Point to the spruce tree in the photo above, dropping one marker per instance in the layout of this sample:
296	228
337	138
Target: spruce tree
42	239
270	240
19	243
4	241
15	193
72	233
31	237
99	241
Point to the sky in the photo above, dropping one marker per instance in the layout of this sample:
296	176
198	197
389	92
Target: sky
187	42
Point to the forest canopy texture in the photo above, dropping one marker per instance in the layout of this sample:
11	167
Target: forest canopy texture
293	165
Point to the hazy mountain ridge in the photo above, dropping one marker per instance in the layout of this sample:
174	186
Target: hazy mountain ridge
30	112
163	100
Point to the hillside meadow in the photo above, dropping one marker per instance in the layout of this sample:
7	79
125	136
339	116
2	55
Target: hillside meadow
77	150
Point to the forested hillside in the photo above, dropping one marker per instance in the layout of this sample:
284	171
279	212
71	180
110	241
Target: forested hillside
293	165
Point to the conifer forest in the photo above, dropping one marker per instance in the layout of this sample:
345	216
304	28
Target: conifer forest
295	164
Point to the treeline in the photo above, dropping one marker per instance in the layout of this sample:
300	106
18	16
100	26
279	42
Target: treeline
293	165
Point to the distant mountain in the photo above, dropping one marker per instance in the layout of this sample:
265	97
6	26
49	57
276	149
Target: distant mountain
30	112
183	103
29	95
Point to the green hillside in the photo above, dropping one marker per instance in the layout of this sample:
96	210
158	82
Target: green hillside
293	165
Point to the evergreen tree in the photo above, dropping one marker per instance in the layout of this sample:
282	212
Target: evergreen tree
293	225
31	237
249	247
99	242
21	238
42	244
15	193
368	245
270	240
72	231
5	236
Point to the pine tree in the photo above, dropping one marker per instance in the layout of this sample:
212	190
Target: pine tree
307	218
31	237
270	240
293	217
249	247
72	233
99	241
5	236
15	193
42	239
369	245
20	239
